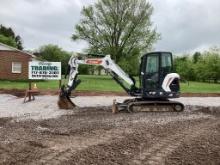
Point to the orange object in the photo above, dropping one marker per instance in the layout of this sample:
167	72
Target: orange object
94	61
35	86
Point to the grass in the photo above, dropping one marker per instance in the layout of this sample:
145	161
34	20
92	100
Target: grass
105	83
200	87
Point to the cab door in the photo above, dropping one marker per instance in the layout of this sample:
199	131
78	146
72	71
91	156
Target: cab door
150	72
166	64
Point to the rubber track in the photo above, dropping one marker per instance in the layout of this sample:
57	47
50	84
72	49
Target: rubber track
155	104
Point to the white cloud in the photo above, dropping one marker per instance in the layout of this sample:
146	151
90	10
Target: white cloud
187	25
41	22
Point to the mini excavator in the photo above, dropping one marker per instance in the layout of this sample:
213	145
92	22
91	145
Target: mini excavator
157	82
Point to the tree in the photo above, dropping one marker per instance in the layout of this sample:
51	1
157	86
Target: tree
10	35
184	66
7	41
131	65
203	66
196	57
54	53
18	41
117	27
208	66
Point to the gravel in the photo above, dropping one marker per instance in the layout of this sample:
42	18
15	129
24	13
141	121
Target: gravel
93	135
42	108
45	107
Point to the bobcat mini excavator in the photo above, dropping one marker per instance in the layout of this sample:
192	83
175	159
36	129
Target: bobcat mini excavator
157	82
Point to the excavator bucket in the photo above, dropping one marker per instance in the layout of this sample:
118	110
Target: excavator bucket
64	101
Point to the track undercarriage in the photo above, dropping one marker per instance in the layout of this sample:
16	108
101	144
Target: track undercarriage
155	105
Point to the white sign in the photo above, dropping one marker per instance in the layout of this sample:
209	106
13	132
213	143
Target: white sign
44	70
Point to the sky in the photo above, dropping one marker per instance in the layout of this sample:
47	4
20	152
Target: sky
185	25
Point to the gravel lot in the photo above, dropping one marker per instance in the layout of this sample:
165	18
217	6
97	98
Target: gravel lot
39	133
45	107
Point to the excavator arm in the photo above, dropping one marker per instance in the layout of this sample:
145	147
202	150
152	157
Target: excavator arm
107	63
123	79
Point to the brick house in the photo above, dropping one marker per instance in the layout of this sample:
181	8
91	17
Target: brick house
14	63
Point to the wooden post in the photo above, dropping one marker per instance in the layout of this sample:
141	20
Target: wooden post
114	107
60	83
29	94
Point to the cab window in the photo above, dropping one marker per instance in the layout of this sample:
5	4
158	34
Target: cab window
152	64
166	60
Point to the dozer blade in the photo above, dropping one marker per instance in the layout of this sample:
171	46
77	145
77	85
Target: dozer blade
64	101
114	107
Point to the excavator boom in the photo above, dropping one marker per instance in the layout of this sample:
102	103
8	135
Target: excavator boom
123	79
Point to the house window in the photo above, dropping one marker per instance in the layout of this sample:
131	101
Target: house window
16	67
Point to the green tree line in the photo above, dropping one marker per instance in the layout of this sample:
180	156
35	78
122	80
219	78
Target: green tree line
203	66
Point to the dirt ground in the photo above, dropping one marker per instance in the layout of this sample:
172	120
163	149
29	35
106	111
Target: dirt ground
96	136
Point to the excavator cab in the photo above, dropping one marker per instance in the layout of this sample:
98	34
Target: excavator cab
154	68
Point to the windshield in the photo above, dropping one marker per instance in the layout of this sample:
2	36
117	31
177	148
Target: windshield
152	64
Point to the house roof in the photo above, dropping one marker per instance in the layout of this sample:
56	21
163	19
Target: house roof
9	48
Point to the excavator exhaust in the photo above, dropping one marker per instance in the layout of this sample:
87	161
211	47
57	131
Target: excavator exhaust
64	101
